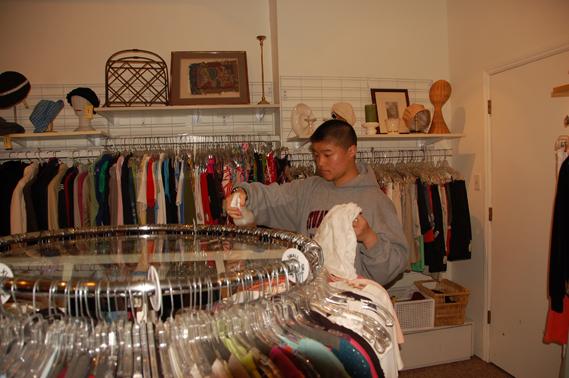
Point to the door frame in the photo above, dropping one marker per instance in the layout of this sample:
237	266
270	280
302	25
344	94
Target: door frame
486	90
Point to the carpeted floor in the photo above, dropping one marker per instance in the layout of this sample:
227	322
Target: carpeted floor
473	368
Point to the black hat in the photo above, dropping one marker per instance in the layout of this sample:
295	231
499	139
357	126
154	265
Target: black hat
10	127
14	88
86	93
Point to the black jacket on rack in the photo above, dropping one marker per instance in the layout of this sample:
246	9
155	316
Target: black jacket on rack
461	231
11	172
559	251
39	192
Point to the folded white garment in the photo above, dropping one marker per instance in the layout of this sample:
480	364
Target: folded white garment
338	240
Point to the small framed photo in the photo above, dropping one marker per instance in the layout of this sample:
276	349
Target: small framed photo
209	78
390	104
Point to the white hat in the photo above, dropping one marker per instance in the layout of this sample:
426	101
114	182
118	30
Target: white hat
345	111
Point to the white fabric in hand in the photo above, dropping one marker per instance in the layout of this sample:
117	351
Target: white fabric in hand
248	217
338	240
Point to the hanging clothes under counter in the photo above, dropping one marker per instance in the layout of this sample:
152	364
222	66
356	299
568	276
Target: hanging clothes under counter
139	188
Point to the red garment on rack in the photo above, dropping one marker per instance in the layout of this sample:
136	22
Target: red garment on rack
208	219
150	196
557	325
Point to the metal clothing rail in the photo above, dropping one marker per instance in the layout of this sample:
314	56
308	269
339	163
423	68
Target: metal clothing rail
180	141
32	287
265	280
374	155
59	153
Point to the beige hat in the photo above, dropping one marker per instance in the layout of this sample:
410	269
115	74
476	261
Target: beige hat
345	111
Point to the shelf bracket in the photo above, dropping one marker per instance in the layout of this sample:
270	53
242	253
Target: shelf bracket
196	117
7	142
260	114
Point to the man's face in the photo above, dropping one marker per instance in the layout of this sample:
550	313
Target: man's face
333	162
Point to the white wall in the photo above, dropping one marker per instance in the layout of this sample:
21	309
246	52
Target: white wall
485	34
377	38
66	41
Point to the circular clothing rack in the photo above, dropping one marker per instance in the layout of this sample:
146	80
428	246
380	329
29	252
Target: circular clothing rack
209	262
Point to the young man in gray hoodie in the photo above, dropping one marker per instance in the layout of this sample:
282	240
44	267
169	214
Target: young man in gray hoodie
382	252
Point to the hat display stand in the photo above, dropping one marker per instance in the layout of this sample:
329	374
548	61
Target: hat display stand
439	94
84	112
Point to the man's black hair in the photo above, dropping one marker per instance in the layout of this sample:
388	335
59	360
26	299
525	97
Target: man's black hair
336	131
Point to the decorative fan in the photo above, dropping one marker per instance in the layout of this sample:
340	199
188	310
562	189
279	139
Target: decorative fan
302	120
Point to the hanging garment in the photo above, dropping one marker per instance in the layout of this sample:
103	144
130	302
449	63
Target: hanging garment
127	190
18	216
160	191
170	185
80	215
180	189
324	361
215	195
113	196
86	199
408	221
118	179
39	192
435	250
150	192
61	199
559	248
205	200
53	198
11	173
141	195
189	198
460	222
102	189
31	217
338	240
198	197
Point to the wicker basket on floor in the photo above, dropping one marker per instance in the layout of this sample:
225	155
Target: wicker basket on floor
450	299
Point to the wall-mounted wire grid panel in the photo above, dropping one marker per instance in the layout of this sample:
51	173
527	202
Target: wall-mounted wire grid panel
132	124
321	92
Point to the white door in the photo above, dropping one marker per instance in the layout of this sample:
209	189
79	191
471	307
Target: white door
525	124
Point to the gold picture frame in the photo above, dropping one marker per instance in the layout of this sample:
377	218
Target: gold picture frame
209	78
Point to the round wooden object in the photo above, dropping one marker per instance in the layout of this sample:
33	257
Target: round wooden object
439	94
417	118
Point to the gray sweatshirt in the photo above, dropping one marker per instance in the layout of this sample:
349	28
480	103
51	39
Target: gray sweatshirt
301	205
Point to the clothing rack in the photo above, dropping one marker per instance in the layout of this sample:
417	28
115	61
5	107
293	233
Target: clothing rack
178	143
190	141
31	288
60	153
376	155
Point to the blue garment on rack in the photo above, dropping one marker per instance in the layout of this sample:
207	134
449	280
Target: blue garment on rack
102	189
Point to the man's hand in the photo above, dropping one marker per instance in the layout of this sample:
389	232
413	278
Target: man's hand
363	231
235	212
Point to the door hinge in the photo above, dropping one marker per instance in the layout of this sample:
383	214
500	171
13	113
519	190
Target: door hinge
489	317
490	214
489	107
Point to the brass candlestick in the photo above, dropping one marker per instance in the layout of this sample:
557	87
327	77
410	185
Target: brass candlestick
261	38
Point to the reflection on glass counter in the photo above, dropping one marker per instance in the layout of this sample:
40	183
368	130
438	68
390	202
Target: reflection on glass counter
125	257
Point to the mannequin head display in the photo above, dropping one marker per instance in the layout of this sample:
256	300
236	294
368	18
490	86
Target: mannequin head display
83	101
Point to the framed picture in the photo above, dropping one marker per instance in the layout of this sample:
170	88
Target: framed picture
209	78
390	104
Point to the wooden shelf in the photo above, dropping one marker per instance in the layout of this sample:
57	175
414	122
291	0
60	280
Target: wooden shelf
16	138
118	109
111	112
426	138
